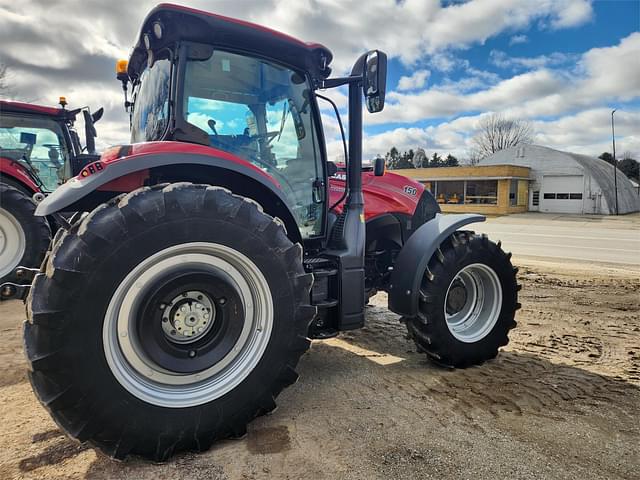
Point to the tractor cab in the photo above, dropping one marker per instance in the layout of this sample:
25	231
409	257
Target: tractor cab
39	146
211	80
255	109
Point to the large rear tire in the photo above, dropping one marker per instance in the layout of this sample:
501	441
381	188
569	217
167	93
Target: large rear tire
24	238
166	319
468	300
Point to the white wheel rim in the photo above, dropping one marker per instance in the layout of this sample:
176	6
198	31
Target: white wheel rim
148	381
475	315
13	242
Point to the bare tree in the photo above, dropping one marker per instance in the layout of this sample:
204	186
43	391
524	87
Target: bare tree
3	78
473	156
497	133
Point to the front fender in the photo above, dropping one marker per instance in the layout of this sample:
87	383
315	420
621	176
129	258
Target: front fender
412	261
79	187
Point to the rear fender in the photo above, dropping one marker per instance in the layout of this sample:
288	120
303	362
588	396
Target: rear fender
121	173
14	173
414	257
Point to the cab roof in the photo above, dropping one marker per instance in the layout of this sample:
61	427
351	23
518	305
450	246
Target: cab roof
184	23
8	106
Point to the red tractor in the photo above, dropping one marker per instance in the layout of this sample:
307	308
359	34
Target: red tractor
39	150
222	239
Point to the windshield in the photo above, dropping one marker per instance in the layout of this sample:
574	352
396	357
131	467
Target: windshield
39	145
260	112
150	113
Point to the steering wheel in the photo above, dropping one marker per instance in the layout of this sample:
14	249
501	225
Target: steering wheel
268	136
212	125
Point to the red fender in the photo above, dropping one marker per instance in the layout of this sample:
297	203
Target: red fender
13	170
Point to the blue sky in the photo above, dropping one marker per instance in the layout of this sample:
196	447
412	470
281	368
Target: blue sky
559	64
609	23
612	20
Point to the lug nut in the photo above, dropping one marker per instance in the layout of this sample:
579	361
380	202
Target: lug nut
165	320
199	297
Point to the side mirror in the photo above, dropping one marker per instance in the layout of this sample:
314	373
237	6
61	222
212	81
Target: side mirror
97	115
89	132
378	167
375	80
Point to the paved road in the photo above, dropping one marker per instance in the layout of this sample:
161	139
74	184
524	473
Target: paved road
613	240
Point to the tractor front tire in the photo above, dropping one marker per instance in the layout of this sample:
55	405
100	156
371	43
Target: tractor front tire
24	238
166	319
467	303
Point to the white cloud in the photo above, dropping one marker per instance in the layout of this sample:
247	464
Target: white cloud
600	75
587	132
416	80
58	48
517	39
571	14
501	60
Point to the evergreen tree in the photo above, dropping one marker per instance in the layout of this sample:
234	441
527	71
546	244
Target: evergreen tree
451	161
435	161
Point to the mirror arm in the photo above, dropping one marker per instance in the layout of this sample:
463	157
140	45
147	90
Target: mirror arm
338	81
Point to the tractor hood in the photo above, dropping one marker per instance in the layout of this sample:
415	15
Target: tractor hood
388	193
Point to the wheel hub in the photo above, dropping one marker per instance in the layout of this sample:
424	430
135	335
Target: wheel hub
174	368
188	317
457	297
473	303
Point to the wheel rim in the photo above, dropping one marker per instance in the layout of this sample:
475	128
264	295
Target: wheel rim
232	339
473	303
12	242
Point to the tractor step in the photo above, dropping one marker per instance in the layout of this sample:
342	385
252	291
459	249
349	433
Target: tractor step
323	334
326	303
13	291
325	272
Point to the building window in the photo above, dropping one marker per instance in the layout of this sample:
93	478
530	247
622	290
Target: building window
563	196
513	192
523	193
482	192
451	192
535	201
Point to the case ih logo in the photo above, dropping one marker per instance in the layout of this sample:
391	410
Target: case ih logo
409	190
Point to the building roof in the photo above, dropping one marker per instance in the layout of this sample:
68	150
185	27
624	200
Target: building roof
558	162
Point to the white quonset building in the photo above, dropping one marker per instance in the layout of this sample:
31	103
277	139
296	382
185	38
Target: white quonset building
566	182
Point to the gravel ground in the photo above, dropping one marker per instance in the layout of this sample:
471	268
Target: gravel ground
561	401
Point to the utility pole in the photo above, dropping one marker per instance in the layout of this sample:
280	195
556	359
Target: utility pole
615	167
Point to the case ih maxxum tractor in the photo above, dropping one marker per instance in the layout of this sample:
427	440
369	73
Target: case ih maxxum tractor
176	310
39	150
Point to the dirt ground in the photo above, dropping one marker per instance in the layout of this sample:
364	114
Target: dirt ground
561	401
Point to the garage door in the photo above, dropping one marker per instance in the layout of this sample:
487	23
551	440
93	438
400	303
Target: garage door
562	193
